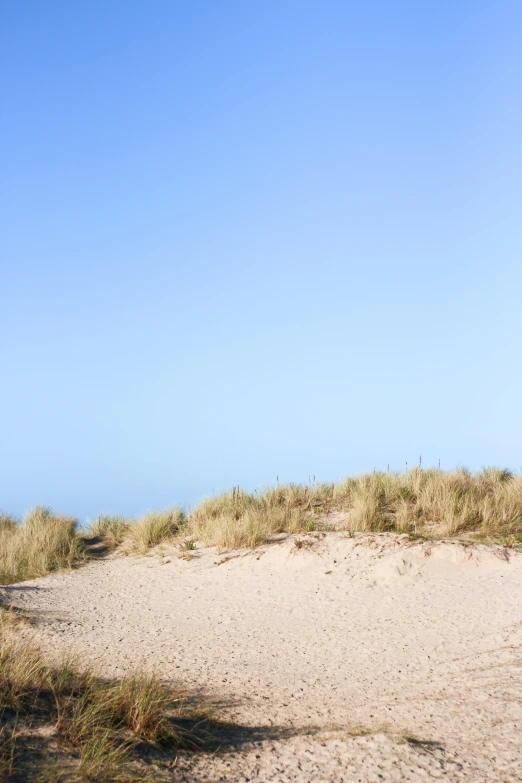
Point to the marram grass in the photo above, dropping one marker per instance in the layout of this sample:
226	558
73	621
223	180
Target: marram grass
62	717
432	503
44	542
486	505
155	527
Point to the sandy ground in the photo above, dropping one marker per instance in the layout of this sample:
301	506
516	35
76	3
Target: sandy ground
355	659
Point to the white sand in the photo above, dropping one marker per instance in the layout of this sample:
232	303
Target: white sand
403	640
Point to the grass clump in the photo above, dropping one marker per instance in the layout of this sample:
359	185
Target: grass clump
156	527
239	519
111	529
44	542
437	503
153	528
89	727
187	546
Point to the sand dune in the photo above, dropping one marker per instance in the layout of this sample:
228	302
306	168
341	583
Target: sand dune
368	658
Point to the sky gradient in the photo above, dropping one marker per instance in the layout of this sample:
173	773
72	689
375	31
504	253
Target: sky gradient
243	240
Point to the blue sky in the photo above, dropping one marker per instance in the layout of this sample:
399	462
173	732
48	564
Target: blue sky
243	240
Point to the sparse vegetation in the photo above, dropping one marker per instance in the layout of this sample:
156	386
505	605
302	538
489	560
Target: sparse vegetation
486	506
188	545
304	543
64	715
58	715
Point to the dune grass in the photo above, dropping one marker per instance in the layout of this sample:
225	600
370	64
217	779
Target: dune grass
156	527
62	717
113	529
431	503
150	530
436	503
44	542
238	519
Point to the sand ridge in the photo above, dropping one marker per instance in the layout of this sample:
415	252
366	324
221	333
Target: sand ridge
366	658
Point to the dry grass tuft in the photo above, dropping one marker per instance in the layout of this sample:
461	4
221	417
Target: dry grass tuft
237	519
44	542
156	527
304	543
186	548
112	529
64	711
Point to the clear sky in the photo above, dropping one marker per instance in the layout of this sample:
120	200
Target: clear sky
242	240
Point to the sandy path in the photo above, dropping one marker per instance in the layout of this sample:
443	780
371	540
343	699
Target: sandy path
405	640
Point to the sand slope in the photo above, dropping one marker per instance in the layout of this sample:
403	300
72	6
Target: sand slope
418	644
